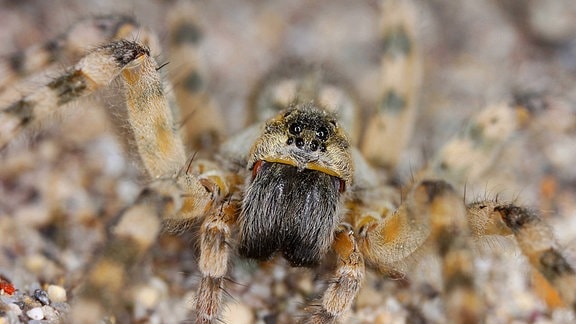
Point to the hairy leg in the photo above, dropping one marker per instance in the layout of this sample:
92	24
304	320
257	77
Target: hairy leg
344	284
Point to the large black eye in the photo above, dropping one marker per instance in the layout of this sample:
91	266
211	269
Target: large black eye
322	133
295	128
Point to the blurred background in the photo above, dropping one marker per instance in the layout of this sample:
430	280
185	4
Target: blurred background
57	191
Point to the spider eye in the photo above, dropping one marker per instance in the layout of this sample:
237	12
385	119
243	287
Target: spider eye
322	133
295	128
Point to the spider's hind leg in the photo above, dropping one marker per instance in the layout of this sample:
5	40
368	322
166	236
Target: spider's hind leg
450	235
392	120
201	118
468	159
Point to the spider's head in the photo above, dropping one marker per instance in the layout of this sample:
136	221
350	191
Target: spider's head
306	137
300	166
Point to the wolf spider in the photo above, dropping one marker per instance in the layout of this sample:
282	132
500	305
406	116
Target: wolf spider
306	183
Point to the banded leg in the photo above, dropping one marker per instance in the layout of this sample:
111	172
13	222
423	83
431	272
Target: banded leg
95	70
202	120
537	242
344	284
392	120
177	193
470	154
162	153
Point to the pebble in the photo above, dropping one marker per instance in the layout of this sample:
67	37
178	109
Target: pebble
36	263
50	314
306	285
35	313
42	296
147	296
56	293
61	307
239	313
15	309
280	289
369	297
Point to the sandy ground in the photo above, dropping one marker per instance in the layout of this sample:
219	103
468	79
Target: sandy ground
60	185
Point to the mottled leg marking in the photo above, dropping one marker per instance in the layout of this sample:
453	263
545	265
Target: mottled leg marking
94	71
68	46
467	156
538	243
202	119
392	120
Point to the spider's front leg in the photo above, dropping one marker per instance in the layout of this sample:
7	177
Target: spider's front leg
96	70
171	203
178	192
536	241
213	263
